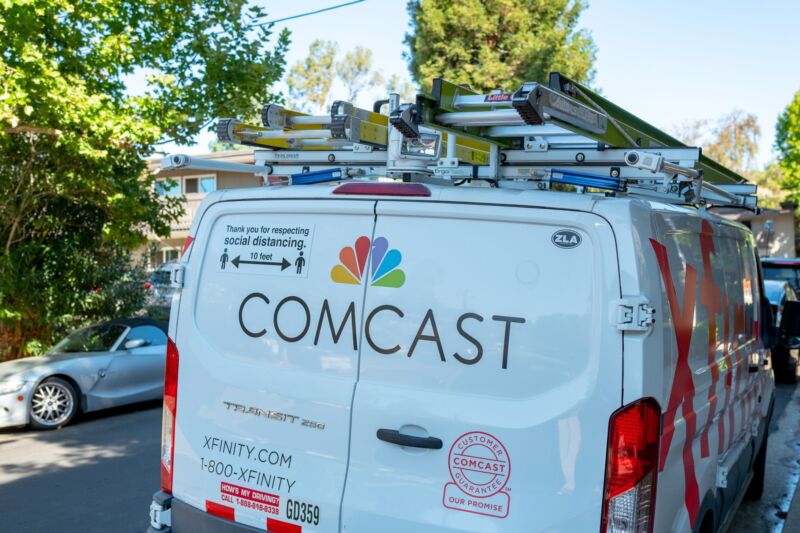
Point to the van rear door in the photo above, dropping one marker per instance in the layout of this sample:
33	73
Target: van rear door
490	366
268	362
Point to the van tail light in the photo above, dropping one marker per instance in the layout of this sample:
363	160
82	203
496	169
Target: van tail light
168	417
629	498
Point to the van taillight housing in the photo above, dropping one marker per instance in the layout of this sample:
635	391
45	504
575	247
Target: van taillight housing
168	417
629	498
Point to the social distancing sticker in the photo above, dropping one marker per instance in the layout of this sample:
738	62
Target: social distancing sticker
267	249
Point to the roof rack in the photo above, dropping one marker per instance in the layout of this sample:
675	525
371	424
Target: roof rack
536	137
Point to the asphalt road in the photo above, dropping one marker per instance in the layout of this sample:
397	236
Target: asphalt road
98	474
767	515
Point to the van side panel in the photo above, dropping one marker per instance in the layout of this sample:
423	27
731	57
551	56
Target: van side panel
707	298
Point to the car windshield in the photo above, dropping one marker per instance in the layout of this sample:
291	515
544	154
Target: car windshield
781	273
160	277
774	292
92	339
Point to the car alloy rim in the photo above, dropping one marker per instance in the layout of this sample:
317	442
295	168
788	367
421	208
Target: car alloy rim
51	404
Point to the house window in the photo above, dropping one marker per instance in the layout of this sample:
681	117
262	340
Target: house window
170	254
208	184
190	185
201	184
168	187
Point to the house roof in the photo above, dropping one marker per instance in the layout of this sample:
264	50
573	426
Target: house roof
744	215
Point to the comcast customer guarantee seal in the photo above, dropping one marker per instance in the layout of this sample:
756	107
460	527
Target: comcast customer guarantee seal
480	467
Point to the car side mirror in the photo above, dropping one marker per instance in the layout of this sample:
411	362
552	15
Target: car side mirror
135	343
769	333
790	320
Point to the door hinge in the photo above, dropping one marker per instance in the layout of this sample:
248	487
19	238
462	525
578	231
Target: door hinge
634	313
177	275
160	516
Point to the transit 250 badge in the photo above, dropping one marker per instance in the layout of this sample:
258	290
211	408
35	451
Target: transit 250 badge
480	468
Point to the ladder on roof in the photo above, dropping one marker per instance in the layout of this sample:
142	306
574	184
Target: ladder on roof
559	134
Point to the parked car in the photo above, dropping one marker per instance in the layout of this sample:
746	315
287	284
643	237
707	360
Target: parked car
787	351
159	285
101	366
399	357
782	270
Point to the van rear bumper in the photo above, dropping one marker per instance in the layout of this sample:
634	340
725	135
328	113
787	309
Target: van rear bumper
187	519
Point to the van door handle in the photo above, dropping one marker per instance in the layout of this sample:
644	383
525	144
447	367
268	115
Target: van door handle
395	437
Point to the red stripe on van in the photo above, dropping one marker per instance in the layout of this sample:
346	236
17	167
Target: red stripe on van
220	511
278	526
710	295
682	391
187	243
742	372
726	339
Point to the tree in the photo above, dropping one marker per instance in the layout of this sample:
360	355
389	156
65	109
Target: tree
315	80
731	140
770	183
215	145
74	195
356	72
491	44
310	80
736	144
787	144
402	86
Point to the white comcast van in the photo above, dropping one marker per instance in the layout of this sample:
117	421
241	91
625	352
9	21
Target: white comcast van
399	357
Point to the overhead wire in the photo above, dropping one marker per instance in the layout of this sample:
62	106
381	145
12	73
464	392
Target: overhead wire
331	8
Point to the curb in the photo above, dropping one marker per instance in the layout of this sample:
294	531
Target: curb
792	523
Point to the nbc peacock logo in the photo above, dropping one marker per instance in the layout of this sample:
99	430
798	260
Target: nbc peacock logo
383	265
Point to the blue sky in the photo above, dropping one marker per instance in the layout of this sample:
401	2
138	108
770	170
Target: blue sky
669	62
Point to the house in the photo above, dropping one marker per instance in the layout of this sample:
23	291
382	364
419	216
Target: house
774	229
193	185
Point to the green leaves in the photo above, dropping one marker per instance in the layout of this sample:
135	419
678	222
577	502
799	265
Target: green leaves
74	195
491	44
311	81
787	143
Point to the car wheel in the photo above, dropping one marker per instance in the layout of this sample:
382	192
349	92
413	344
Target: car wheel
53	404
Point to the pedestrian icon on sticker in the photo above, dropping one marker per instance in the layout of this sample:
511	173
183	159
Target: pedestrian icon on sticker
299	262
224	259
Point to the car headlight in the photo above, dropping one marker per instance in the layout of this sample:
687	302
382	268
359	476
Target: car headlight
7	387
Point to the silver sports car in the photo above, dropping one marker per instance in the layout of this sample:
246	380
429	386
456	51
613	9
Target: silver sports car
101	366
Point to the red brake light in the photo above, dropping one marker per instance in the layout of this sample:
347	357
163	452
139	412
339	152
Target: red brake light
383	189
632	467
168	416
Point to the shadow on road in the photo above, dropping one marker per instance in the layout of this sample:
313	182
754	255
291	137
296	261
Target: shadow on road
42	488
